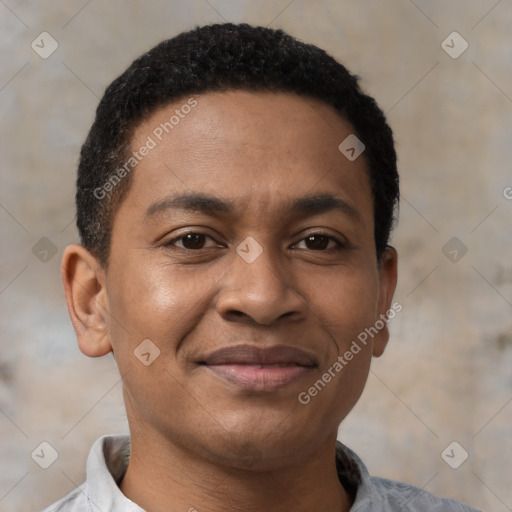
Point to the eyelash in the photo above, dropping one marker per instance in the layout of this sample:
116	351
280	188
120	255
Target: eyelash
339	243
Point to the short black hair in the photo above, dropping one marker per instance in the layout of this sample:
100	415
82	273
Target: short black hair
223	57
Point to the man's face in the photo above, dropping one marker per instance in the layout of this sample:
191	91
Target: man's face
280	306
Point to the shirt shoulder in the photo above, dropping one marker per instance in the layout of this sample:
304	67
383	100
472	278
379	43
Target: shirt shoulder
375	493
399	496
106	465
75	501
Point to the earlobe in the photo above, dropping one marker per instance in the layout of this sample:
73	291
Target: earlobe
86	296
387	284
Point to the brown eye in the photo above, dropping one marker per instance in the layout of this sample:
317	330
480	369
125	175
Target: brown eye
191	241
319	242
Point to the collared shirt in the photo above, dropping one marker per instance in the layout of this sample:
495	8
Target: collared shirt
109	456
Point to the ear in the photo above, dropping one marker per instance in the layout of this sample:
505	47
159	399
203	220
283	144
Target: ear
387	285
86	296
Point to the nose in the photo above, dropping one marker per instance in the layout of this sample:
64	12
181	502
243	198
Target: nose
261	292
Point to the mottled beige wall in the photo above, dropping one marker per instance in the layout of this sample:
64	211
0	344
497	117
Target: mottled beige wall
446	375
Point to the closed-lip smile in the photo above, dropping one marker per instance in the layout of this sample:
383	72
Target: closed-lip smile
259	368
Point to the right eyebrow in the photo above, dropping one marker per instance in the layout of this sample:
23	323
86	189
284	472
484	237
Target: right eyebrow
192	202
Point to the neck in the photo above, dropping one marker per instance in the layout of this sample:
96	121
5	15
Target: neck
162	477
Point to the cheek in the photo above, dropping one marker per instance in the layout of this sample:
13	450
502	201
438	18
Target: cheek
159	302
344	303
331	396
349	307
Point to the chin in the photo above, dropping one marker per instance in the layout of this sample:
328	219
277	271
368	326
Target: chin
262	450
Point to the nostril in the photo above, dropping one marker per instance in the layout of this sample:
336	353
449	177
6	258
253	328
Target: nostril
235	315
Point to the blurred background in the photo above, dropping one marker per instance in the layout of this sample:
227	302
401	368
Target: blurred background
437	410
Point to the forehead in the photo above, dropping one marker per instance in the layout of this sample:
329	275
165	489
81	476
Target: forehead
253	147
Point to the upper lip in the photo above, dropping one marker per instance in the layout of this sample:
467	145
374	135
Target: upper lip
249	354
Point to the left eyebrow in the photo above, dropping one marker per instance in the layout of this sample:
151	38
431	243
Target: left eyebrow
323	203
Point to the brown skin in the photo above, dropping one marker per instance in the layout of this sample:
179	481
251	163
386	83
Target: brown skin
197	440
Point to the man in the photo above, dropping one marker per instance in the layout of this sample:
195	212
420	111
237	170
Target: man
235	198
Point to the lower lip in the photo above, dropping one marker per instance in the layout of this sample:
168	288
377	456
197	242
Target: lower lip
258	377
